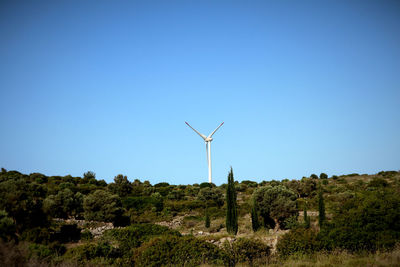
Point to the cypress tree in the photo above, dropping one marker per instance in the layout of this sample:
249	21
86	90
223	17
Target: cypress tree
231	206
207	222
306	218
255	224
321	208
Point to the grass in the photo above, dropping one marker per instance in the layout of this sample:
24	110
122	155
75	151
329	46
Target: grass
332	259
340	258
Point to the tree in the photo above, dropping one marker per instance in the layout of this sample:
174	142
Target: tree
255	224
89	177
102	206
212	196
306	218
64	204
231	206
323	176
321	208
207	220
158	201
7	227
276	204
121	186
314	176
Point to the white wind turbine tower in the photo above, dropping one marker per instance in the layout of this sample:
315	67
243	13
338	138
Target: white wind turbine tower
208	140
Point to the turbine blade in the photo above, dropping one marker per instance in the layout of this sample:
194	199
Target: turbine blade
202	135
215	130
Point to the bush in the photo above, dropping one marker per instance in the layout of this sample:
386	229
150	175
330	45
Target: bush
45	252
323	176
86	235
245	250
102	206
91	251
37	235
298	241
133	236
369	221
67	233
178	251
378	182
7	227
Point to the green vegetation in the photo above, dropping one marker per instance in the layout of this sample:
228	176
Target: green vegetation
347	220
231	206
321	208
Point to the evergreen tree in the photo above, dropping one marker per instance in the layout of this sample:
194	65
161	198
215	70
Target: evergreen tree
321	208
231	206
207	222
306	218
254	218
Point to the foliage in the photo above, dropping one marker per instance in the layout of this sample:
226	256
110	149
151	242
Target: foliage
321	208
255	224
245	250
306	218
378	182
212	196
298	241
369	221
86	252
275	204
102	206
7	227
158	201
134	235
67	233
231	206
64	204
121	186
207	219
323	176
178	251
22	200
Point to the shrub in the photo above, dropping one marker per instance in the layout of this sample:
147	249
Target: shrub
67	233
275	204
91	251
378	182
298	241
37	235
368	221
323	176
86	235
133	236
178	251
45	252
245	250
102	206
7	227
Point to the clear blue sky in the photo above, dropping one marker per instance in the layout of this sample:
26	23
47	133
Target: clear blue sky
302	86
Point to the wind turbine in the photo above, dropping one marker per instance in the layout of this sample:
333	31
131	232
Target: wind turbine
208	140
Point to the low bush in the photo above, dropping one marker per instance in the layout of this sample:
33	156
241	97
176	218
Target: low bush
133	236
298	241
178	251
245	250
91	251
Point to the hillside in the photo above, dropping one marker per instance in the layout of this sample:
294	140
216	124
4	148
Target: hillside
82	221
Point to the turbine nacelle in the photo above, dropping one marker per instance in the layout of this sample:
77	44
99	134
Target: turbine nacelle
208	139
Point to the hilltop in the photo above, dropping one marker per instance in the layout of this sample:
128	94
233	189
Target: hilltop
82	220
